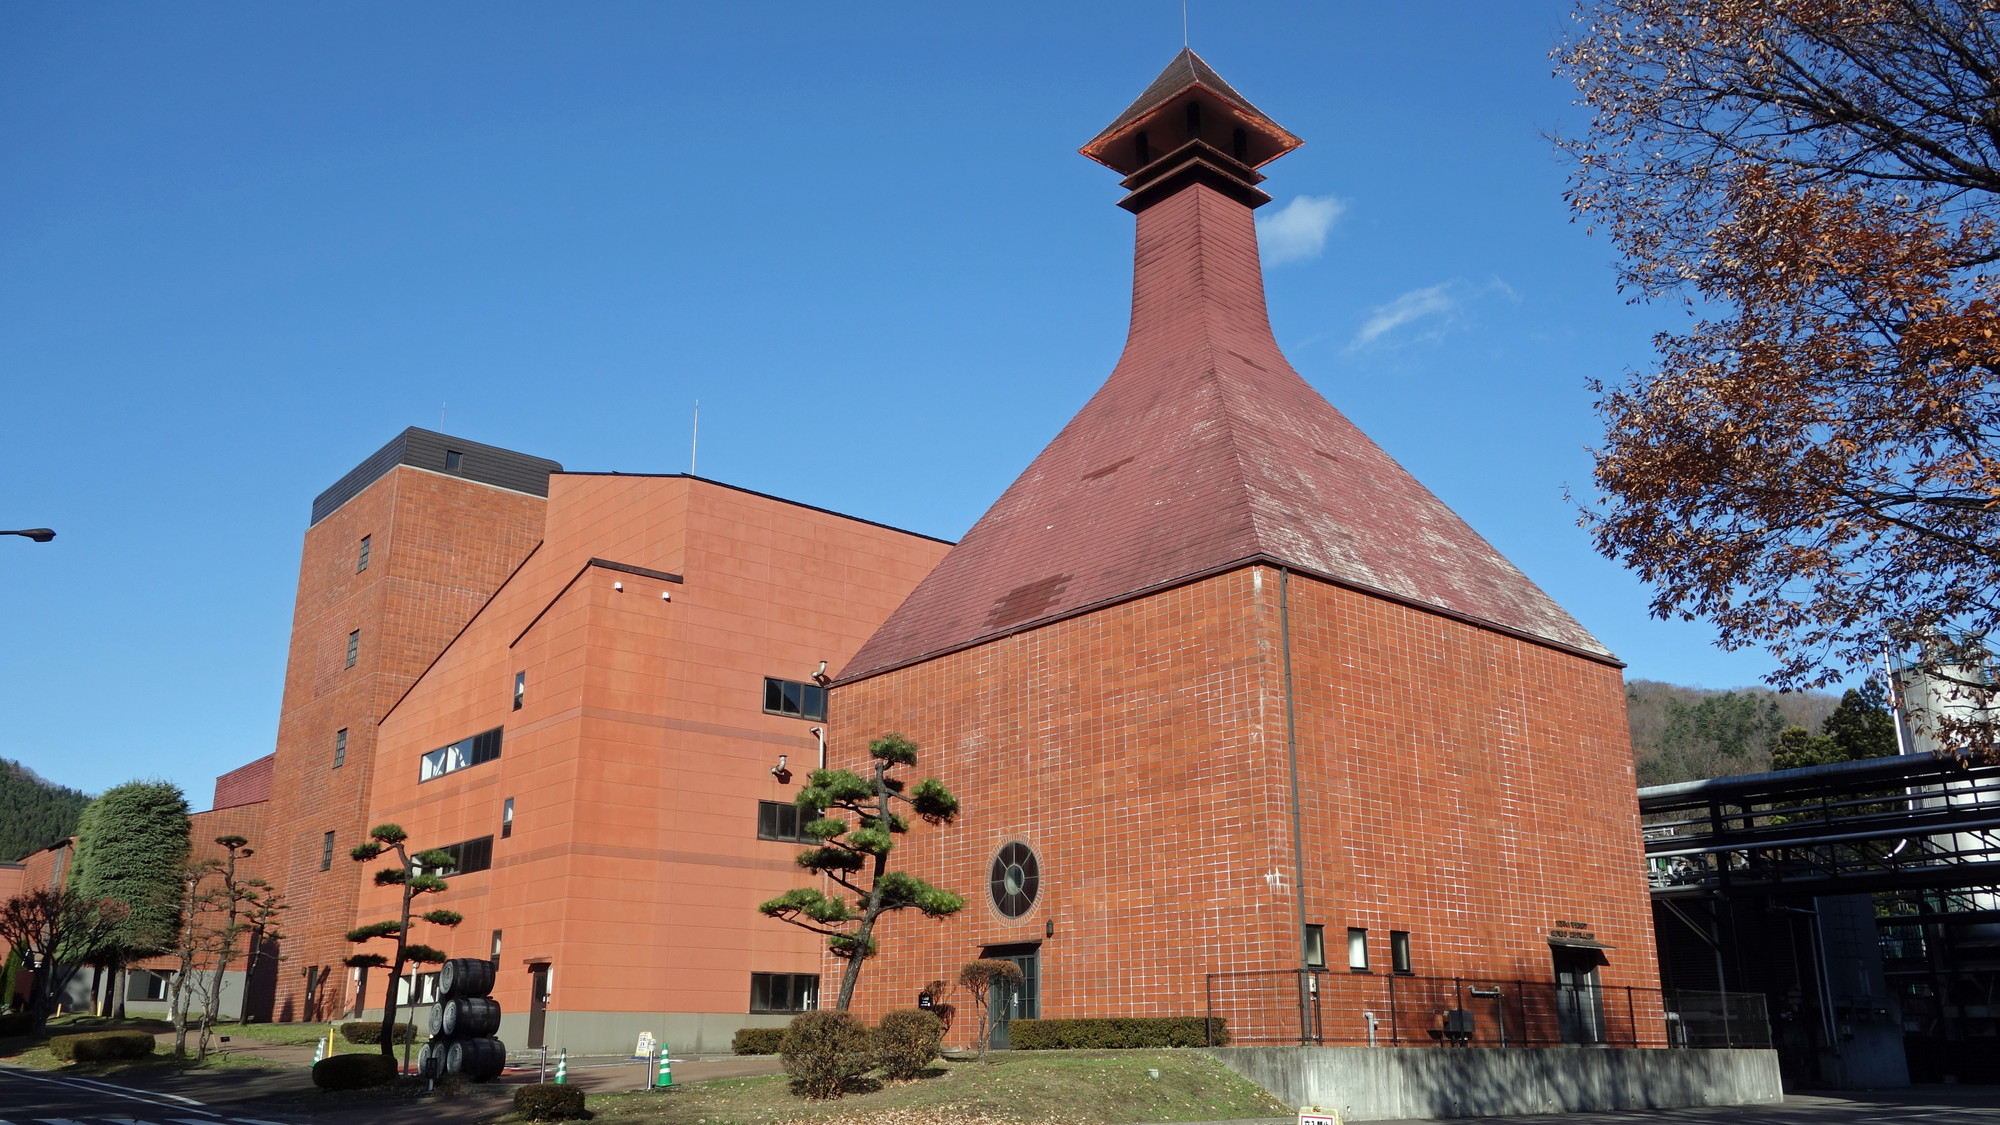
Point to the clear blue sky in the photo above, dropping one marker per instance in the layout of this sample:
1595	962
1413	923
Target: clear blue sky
242	245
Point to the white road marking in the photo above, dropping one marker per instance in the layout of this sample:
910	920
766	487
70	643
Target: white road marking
108	1090
149	1095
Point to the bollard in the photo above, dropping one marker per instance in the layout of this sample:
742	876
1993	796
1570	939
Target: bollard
562	1067
319	1050
542	1067
666	1070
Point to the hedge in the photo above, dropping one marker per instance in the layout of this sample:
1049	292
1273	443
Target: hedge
1115	1032
16	1023
353	1072
546	1101
102	1046
758	1041
823	1050
906	1041
371	1033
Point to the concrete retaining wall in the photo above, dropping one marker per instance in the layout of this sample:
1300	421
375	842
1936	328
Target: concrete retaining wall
1390	1083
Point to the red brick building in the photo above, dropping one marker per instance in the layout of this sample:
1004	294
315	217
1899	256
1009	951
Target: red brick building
1223	689
1226	693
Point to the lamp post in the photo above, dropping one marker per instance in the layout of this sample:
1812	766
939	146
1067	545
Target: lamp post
38	534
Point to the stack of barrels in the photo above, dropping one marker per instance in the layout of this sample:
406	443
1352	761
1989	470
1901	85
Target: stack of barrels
463	1023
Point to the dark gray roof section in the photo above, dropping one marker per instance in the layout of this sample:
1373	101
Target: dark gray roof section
1187	69
427	449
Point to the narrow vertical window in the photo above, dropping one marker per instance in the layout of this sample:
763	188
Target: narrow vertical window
353	647
326	854
340	748
453	460
361	560
496	948
1399	951
1315	951
520	689
507	819
1357	950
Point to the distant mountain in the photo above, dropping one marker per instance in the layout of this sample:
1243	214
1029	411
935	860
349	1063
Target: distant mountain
1684	733
33	812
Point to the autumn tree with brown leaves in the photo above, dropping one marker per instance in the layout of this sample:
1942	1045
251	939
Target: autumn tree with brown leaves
1814	463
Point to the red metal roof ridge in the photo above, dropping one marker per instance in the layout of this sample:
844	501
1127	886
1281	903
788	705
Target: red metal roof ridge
1263	558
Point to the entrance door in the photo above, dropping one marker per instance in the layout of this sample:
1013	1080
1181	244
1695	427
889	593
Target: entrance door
538	1005
1579	1002
1016	1002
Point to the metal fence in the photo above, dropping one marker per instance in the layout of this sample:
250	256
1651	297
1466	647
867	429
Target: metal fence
1295	1006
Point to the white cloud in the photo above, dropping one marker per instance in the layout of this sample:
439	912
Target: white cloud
1415	305
1297	231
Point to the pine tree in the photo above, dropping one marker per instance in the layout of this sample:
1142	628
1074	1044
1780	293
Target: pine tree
856	856
34	813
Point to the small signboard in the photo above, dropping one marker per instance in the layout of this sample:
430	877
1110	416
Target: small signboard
924	1001
1317	1116
646	1045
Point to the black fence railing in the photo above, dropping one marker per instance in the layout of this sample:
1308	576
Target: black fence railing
1295	1006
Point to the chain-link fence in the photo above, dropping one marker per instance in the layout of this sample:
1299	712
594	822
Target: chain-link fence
1294	1006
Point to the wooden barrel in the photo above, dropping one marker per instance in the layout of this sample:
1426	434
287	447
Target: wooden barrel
477	1060
468	1016
430	1060
437	1019
465	976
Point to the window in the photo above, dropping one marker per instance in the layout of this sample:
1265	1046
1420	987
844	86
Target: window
453	460
784	992
1316	947
466	752
1399	951
496	949
422	988
778	820
789	697
353	647
467	856
520	688
1014	879
340	748
326	853
1357	950
507	819
361	561
145	984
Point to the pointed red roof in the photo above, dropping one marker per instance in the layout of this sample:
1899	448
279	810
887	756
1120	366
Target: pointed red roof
1205	451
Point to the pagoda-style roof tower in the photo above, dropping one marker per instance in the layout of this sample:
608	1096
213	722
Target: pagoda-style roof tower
1204	451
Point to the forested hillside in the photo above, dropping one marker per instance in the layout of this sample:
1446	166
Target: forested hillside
33	813
1683	733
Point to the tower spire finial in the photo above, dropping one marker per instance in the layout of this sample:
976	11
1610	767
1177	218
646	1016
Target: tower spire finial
1190	124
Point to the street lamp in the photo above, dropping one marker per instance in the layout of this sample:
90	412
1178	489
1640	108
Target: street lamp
38	534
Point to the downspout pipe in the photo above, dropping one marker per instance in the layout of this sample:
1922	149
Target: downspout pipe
1292	759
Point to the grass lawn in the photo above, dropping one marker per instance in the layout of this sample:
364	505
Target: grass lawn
33	1050
1024	1086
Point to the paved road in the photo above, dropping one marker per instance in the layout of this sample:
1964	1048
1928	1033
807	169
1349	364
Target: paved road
44	1100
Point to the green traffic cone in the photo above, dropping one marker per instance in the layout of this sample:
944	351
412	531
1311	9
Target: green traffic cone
562	1067
666	1069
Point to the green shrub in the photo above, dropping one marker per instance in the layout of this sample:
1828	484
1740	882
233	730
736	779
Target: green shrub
371	1033
822	1050
546	1101
16	1023
758	1041
101	1046
1116	1032
906	1041
353	1072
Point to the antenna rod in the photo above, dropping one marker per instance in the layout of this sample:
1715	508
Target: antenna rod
441	407
694	445
1184	32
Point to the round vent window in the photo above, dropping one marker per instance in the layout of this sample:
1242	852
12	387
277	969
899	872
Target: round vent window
1015	880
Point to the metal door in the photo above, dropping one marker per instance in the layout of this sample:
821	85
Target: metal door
1012	1002
1579	1001
538	1005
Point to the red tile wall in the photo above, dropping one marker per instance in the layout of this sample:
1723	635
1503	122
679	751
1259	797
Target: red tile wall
1461	784
440	546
